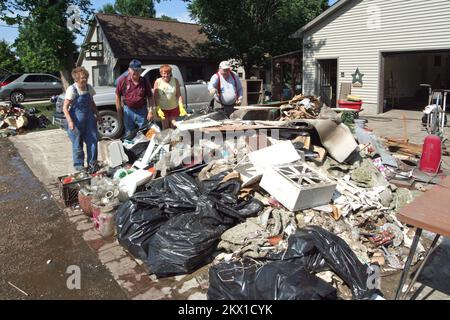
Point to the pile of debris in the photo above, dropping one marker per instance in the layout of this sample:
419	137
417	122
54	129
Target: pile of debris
303	201
15	119
301	107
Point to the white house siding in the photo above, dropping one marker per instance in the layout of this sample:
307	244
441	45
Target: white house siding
109	60
357	36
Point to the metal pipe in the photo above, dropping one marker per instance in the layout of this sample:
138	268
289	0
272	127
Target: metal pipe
425	259
443	112
412	251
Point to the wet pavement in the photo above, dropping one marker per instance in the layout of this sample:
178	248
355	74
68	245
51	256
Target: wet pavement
38	244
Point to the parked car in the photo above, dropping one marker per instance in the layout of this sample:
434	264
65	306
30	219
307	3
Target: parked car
195	95
19	87
4	73
7	79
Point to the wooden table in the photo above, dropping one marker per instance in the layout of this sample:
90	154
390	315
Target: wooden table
430	211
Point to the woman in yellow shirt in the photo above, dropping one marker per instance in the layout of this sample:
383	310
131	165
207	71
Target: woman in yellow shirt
168	97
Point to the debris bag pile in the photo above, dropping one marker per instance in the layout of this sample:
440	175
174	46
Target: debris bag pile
310	250
247	193
15	119
175	225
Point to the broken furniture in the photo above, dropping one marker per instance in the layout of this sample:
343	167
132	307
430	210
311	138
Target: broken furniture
298	186
431	212
252	91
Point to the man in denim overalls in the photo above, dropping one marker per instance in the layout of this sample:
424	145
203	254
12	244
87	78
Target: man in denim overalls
81	120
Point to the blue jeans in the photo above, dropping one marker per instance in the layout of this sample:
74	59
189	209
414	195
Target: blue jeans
133	118
85	130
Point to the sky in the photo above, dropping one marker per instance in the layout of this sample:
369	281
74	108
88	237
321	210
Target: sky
173	8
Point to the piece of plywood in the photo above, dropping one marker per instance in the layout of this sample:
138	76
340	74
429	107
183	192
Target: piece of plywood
277	154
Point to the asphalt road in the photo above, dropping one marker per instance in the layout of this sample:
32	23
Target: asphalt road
38	244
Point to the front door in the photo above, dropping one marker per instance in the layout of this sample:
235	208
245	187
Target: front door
328	81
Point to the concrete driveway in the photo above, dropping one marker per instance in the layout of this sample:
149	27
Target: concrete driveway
48	153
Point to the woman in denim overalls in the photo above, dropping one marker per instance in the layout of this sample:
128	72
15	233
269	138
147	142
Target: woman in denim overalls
81	120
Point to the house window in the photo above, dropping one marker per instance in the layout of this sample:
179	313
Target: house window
194	73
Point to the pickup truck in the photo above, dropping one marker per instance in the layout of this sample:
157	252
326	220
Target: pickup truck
195	95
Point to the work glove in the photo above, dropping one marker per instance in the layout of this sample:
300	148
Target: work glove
149	116
182	110
160	113
213	92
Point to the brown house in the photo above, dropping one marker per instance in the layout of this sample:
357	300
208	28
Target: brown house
113	40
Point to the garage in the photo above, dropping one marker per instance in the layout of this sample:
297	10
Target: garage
380	51
407	77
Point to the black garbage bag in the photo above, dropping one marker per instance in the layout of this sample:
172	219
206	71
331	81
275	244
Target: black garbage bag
132	134
33	122
137	222
275	280
136	151
140	217
43	121
320	250
196	216
187	241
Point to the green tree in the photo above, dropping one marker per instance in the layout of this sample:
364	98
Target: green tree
108	8
8	59
251	31
35	52
139	8
45	42
167	18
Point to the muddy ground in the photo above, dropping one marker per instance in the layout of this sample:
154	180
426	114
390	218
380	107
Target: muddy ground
38	243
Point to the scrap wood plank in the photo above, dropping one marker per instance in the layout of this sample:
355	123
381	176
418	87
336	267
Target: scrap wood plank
409	147
253	107
272	104
239	127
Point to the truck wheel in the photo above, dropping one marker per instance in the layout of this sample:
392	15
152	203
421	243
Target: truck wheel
110	127
17	96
